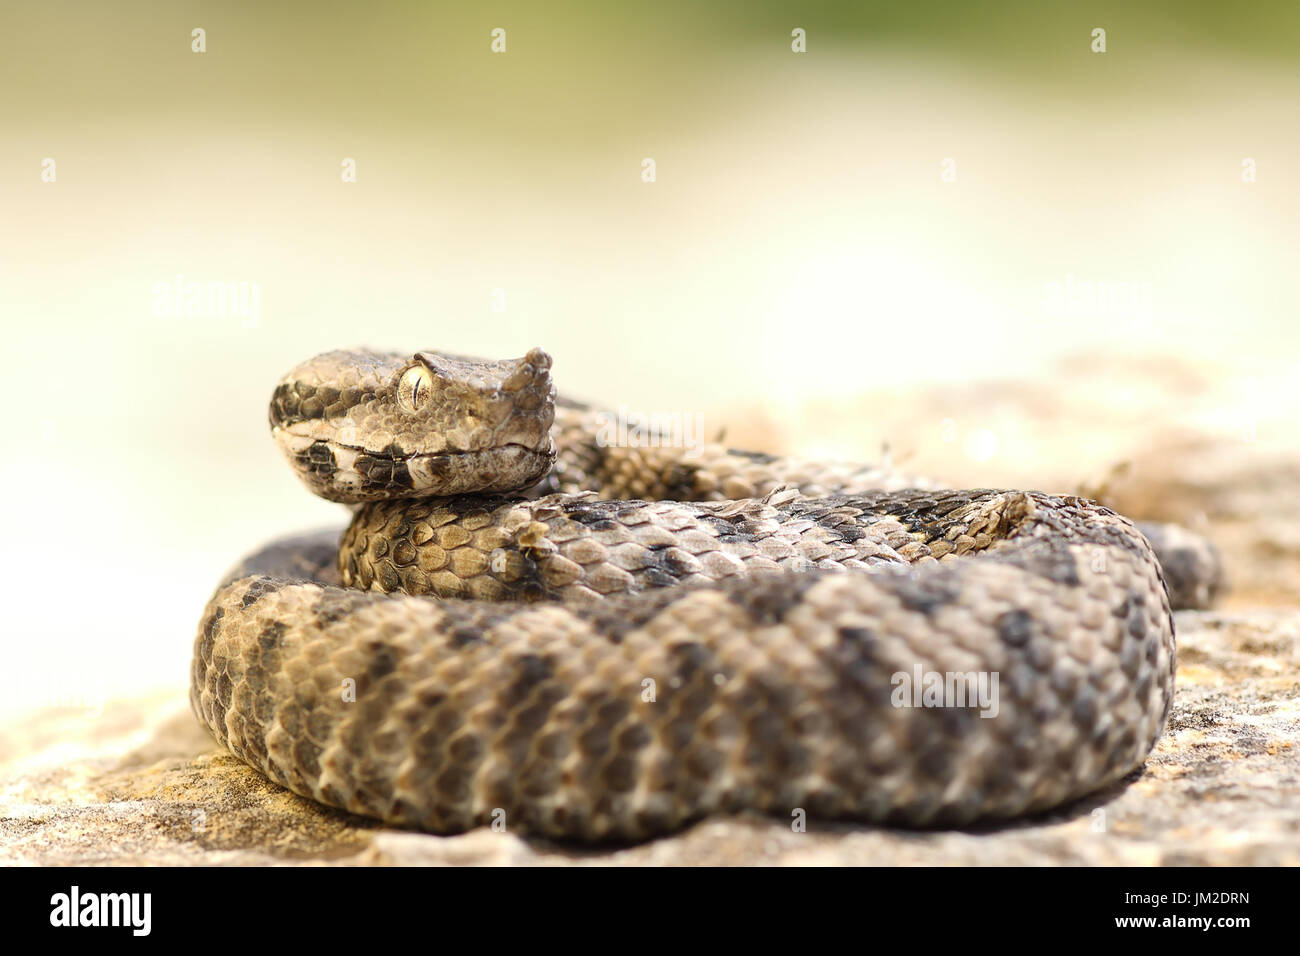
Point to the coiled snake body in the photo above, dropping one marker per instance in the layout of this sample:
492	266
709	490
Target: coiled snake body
705	634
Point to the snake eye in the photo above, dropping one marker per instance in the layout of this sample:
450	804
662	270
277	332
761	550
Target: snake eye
414	388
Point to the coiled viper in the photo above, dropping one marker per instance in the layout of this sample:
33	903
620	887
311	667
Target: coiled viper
539	671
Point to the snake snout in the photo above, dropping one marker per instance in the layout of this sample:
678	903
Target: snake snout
532	372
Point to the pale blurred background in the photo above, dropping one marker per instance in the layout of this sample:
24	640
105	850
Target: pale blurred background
932	207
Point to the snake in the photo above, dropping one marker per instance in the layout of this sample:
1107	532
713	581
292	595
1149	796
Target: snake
532	627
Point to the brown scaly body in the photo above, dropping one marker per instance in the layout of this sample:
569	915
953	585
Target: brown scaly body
596	669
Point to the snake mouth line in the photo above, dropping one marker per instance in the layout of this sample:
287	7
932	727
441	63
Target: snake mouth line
351	473
294	441
385	454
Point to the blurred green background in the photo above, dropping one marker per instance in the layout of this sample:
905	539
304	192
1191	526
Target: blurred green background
800	245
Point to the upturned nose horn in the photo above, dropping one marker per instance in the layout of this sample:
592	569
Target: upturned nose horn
531	371
538	359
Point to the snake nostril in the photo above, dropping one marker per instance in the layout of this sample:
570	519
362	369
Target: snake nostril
538	359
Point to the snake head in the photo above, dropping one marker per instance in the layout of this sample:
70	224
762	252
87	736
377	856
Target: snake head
362	426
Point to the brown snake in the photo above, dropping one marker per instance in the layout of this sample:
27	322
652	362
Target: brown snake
708	634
